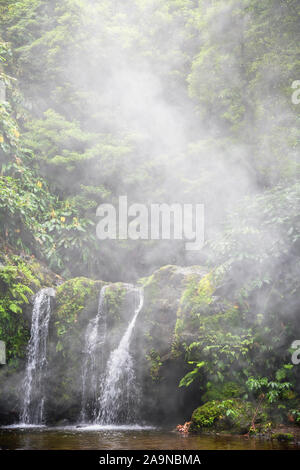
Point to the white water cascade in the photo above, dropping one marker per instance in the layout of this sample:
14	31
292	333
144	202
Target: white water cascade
33	385
119	396
93	360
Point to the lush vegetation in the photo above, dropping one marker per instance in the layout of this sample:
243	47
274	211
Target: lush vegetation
216	79
162	101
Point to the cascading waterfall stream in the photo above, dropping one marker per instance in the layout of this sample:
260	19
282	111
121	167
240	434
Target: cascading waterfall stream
33	385
119	394
93	362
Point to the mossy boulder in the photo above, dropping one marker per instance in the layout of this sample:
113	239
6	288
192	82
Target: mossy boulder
76	301
159	368
200	305
162	292
232	415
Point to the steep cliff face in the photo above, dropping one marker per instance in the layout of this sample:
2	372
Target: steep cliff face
159	367
21	276
77	303
198	339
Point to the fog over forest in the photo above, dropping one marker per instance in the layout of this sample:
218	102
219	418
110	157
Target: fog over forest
163	104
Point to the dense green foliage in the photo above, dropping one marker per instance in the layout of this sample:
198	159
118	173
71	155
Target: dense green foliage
215	76
162	101
238	323
20	277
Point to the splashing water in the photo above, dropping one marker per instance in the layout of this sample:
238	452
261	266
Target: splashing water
33	385
119	395
93	362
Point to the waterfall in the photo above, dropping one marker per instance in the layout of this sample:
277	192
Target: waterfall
93	360
33	385
119	395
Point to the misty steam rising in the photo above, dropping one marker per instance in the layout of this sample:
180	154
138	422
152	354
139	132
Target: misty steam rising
150	173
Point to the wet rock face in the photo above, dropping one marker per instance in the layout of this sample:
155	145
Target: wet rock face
159	367
76	305
158	364
21	277
163	291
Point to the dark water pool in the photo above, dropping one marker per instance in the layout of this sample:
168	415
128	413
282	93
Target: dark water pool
119	438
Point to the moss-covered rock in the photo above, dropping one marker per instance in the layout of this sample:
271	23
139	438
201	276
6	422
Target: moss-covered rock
232	415
191	331
184	322
159	365
76	305
163	291
75	300
20	278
